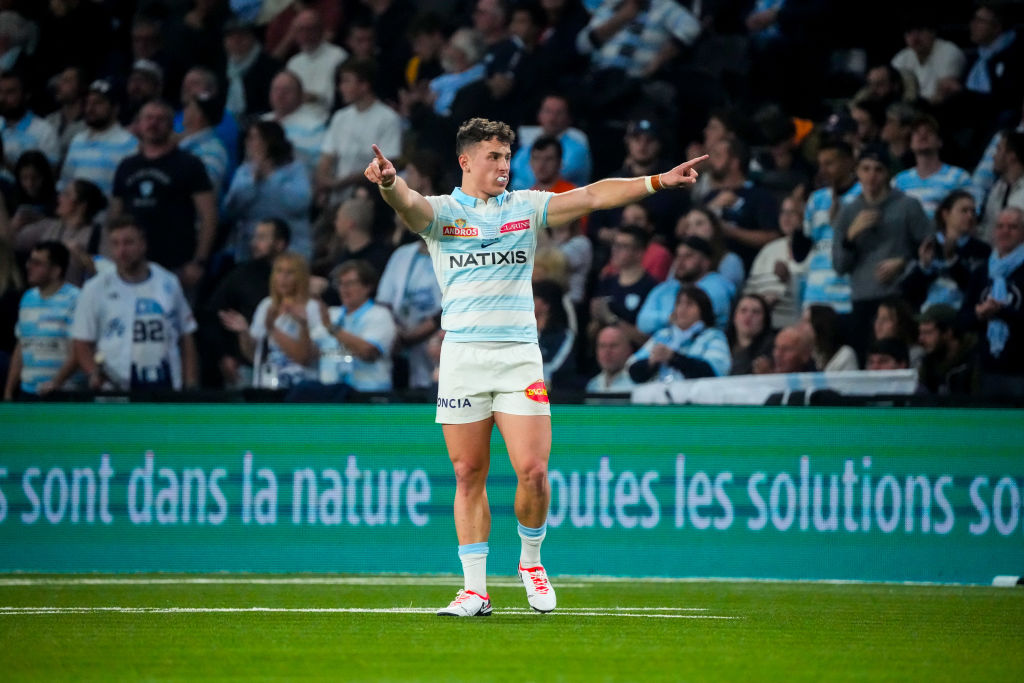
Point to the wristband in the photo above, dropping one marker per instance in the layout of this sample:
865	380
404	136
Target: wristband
653	183
387	188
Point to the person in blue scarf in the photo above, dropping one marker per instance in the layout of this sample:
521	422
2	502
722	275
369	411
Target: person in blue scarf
994	305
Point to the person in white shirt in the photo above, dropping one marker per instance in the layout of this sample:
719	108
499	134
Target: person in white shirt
316	61
934	62
365	117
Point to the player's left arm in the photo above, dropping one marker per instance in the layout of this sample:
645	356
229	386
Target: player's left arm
614	192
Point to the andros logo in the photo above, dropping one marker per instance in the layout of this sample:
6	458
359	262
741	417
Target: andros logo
460	231
538	392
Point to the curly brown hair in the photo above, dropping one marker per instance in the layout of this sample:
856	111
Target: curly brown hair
477	130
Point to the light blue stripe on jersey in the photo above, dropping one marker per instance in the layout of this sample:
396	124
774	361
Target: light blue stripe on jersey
490	303
932	190
44	331
823	284
703	343
96	158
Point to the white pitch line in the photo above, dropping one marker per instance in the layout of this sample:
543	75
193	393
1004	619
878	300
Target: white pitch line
573	611
265	581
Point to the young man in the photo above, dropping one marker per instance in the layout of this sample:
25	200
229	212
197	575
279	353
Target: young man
482	240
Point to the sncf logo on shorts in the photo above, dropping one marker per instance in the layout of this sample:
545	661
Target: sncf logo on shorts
453	402
537	392
460	231
516	225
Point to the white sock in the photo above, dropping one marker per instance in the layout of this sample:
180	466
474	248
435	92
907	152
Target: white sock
474	567
529	554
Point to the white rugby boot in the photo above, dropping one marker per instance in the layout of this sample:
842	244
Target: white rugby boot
539	592
467	604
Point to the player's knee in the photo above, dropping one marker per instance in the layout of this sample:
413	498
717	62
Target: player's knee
469	472
534	476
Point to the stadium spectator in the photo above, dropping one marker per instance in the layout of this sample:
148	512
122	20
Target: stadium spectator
351	238
935	63
775	274
271	183
304	124
701	222
362	327
284	31
722	123
42	360
199	115
692	266
876	234
20	128
462	60
426	40
886	84
984	176
506	61
545	164
317	59
250	70
277	342
689	348
949	365
364	117
1008	189
824	285
894	319
750	335
167	192
96	151
618	298
388	23
657	259
241	290
554	120
75	227
993	79
68	88
779	165
133	329
409	288
145	83
887	354
565	20
556	339
17	35
946	259
201	82
830	353
994	308
793	350
613	350
748	212
35	190
896	134
930	180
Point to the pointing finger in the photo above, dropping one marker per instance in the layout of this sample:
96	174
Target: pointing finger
378	153
693	162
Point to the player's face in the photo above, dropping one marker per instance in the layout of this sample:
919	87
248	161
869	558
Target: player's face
128	247
485	167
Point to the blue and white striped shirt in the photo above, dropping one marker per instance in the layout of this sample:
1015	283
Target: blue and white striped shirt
94	156
483	255
657	307
932	190
30	133
823	284
633	47
44	331
703	343
208	147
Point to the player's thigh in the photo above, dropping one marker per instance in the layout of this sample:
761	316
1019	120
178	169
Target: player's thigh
469	448
528	440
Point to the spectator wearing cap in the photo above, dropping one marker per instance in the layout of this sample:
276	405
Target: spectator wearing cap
304	124
949	365
20	128
96	151
748	211
930	180
250	70
554	119
199	115
876	235
946	259
1008	189
692	266
994	307
198	81
145	83
69	88
317	60
888	354
934	62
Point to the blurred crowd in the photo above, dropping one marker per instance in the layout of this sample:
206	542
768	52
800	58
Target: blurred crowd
182	203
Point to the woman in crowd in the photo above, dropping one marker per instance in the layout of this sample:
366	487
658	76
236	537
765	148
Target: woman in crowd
704	224
830	354
278	341
75	226
688	348
946	260
270	184
895	320
35	190
750	335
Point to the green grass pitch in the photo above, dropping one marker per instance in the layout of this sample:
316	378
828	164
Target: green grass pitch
174	627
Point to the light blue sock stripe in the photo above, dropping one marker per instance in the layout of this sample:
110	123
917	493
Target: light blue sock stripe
473	549
533	533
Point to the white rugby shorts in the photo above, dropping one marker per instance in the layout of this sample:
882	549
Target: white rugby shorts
477	379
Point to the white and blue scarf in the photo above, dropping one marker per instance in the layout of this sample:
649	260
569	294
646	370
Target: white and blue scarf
998	270
978	79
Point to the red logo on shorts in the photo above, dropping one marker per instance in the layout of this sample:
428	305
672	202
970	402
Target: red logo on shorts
537	392
516	225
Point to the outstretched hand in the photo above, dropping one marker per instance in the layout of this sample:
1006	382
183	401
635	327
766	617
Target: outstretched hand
683	174
380	171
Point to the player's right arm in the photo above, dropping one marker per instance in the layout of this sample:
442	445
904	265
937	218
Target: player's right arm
412	207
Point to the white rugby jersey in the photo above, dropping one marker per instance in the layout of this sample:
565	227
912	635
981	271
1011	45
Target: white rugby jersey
43	328
136	326
483	257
